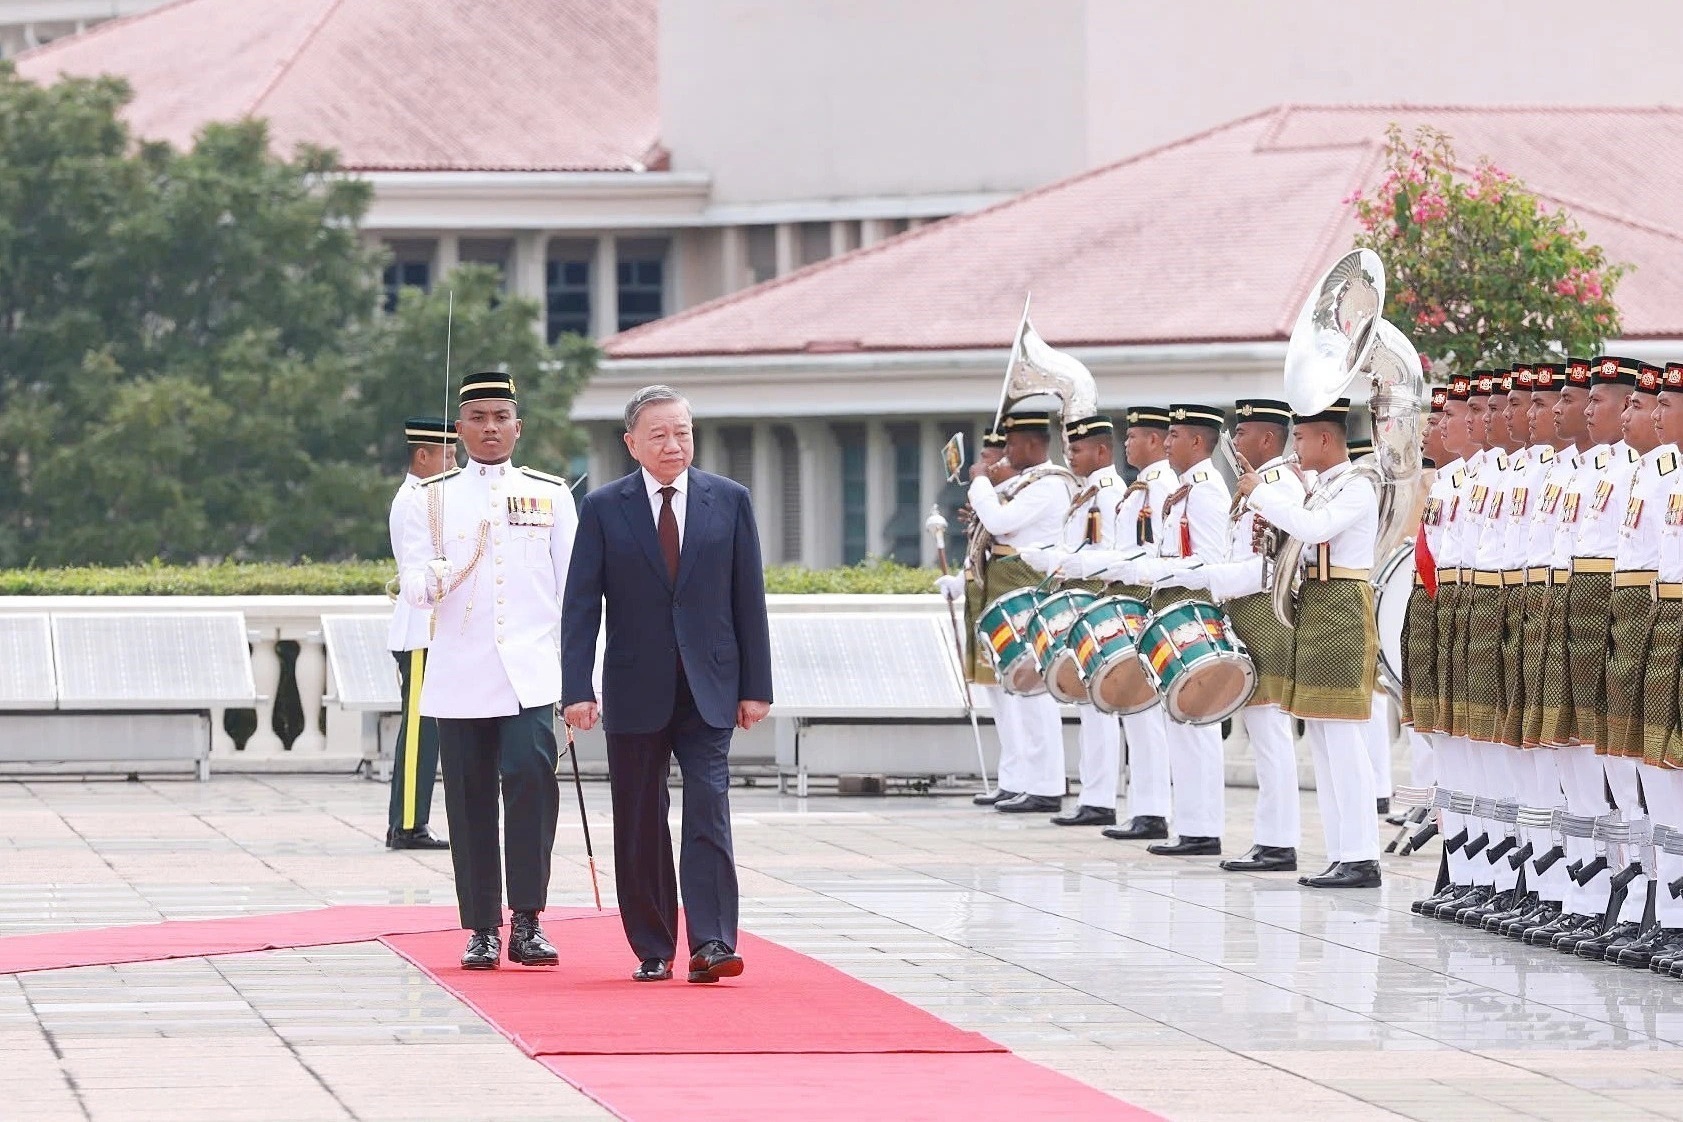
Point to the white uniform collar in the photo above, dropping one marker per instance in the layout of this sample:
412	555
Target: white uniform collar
1106	472
1201	465
653	485
410	479
493	471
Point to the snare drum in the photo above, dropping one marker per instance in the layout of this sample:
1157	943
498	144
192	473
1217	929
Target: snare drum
1048	633
1200	668
1102	640
1003	628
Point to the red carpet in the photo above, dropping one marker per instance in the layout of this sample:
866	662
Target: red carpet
785	1002
189	938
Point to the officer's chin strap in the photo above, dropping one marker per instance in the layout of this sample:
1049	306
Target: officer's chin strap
584	820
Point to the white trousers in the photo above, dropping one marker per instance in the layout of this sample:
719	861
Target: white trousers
1198	778
1501	781
1455	773
1031	744
1344	788
1539	776
1664	788
1101	757
1148	763
1278	815
1422	758
1379	744
1623	782
1585	786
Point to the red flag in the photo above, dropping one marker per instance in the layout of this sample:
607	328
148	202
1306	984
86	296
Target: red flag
1425	564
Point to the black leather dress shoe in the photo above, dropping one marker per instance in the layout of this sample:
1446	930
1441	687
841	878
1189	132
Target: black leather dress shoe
1087	816
1447	892
1667	952
713	961
1547	912
1520	915
988	798
1615	938
1567	941
652	970
526	942
1346	874
483	950
1472	898
1143	827
1518	904
1264	859
1545	935
1639	952
1184	846
421	837
1473	915
1029	804
1384	807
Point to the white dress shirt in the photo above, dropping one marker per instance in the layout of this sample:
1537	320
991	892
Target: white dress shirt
680	500
1489	500
1348	524
1602	490
409	625
1668	517
1032	516
1243	571
496	647
1202	511
1442	505
1639	532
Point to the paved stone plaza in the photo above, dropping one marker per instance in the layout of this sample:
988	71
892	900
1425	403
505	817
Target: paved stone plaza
1197	994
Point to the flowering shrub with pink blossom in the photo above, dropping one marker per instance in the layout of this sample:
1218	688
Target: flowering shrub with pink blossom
1479	271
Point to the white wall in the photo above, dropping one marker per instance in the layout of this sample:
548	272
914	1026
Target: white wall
812	99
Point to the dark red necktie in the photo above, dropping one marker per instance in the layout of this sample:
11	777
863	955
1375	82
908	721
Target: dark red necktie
668	530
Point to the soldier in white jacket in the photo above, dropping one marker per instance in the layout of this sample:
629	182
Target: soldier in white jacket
432	448
486	548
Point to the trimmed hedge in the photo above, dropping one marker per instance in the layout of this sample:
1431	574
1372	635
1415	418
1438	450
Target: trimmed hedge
369	578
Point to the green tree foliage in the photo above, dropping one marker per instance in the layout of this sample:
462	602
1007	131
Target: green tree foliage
192	364
1481	272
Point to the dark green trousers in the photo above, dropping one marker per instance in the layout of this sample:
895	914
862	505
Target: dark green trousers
416	764
514	756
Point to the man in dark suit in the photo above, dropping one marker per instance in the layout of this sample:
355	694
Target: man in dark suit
676	555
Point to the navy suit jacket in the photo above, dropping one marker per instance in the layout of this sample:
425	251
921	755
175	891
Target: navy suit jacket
713	616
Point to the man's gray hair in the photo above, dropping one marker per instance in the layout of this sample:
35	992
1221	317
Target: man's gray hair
647	396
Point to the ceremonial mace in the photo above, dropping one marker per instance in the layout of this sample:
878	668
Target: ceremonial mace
937	527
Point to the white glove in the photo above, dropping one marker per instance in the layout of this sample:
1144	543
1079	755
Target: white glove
1079	566
1046	558
951	586
438	579
1197	577
1127	572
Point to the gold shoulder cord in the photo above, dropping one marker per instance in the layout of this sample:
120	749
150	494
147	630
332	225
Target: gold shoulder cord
435	519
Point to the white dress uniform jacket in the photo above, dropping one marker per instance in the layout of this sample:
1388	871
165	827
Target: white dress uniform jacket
1034	516
410	625
496	647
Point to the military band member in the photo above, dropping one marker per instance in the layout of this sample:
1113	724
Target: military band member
1139	528
486	548
432	448
1026	511
1093	521
1261	429
1194	531
1335	661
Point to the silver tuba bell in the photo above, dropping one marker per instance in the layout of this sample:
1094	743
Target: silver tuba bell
1037	369
1340	335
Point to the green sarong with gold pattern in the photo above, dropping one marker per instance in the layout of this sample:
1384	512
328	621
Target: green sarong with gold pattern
1335	662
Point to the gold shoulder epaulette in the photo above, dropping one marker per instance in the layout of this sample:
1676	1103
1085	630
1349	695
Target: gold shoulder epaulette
1501	461
1460	477
1545	455
1631	455
1601	459
1668	463
1107	481
441	476
1518	462
1200	477
544	475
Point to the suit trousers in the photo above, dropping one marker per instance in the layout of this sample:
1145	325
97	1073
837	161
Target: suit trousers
1344	788
516	753
638	764
1101	757
415	763
1278	814
1148	763
1197	773
1585	787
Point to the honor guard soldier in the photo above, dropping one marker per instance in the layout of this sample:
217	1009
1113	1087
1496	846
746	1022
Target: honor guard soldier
1336	657
1019	501
1194	532
1417	708
1261	430
432	448
1139	528
486	548
1093	521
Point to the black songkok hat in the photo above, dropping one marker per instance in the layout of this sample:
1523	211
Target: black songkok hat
429	430
1206	416
490	385
1338	413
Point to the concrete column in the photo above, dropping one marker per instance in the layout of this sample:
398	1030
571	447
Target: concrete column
603	455
931	475
820	496
733	259
604	288
872	231
531	248
840	242
446	255
767	494
914	223
787	256
879	487
710	448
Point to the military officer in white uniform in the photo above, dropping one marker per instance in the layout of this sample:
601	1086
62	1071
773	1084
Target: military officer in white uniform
486	548
432	448
1093	521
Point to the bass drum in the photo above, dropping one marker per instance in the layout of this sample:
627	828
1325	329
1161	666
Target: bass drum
1393	584
1200	668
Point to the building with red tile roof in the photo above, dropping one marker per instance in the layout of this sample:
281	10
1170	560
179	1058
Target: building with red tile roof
1175	273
